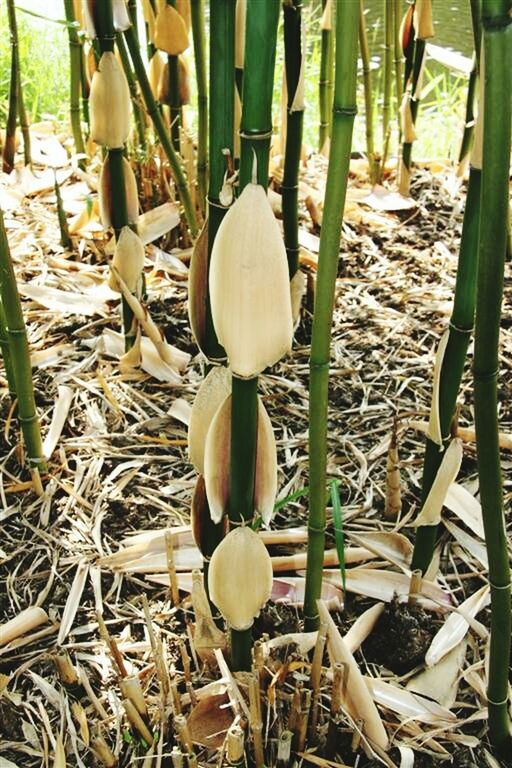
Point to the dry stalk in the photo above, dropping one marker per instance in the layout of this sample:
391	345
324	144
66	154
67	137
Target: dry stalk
66	671
180	722
284	748
112	645
103	752
131	689
169	551
415	587
256	721
337	682
316	674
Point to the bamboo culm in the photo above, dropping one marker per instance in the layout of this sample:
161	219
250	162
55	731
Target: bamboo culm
138	110
368	95
6	353
12	114
344	110
461	326
198	27
75	55
325	85
156	117
20	357
174	96
294	123
255	132
492	242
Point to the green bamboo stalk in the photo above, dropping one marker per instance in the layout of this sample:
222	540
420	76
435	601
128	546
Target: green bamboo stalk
388	82
368	95
6	354
138	109
198	27
397	51
344	110
156	117
461	326
84	85
12	114
294	124
256	128
467	136
221	133
325	85
469	120
75	55
492	241
25	128
20	358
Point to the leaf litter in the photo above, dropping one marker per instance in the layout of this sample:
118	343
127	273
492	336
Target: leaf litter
101	659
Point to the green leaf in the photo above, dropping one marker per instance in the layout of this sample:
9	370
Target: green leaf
295	495
338	528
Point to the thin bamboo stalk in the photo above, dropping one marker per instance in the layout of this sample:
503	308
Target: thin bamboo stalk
388	82
75	55
467	136
397	51
294	123
158	122
20	358
460	329
6	353
325	83
344	110
12	114
84	86
25	128
492	242
256	129
198	27
65	239
368	95
138	109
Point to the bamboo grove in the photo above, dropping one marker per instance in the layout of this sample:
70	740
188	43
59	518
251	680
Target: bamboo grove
129	90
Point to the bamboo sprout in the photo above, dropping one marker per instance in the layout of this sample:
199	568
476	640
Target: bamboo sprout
343	118
492	243
20	359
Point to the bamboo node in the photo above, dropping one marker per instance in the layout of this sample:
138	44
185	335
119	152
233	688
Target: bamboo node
460	330
348	111
503	586
256	135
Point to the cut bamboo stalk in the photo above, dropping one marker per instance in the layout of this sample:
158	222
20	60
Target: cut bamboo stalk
103	752
315	679
24	622
137	722
65	668
169	551
343	118
131	689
